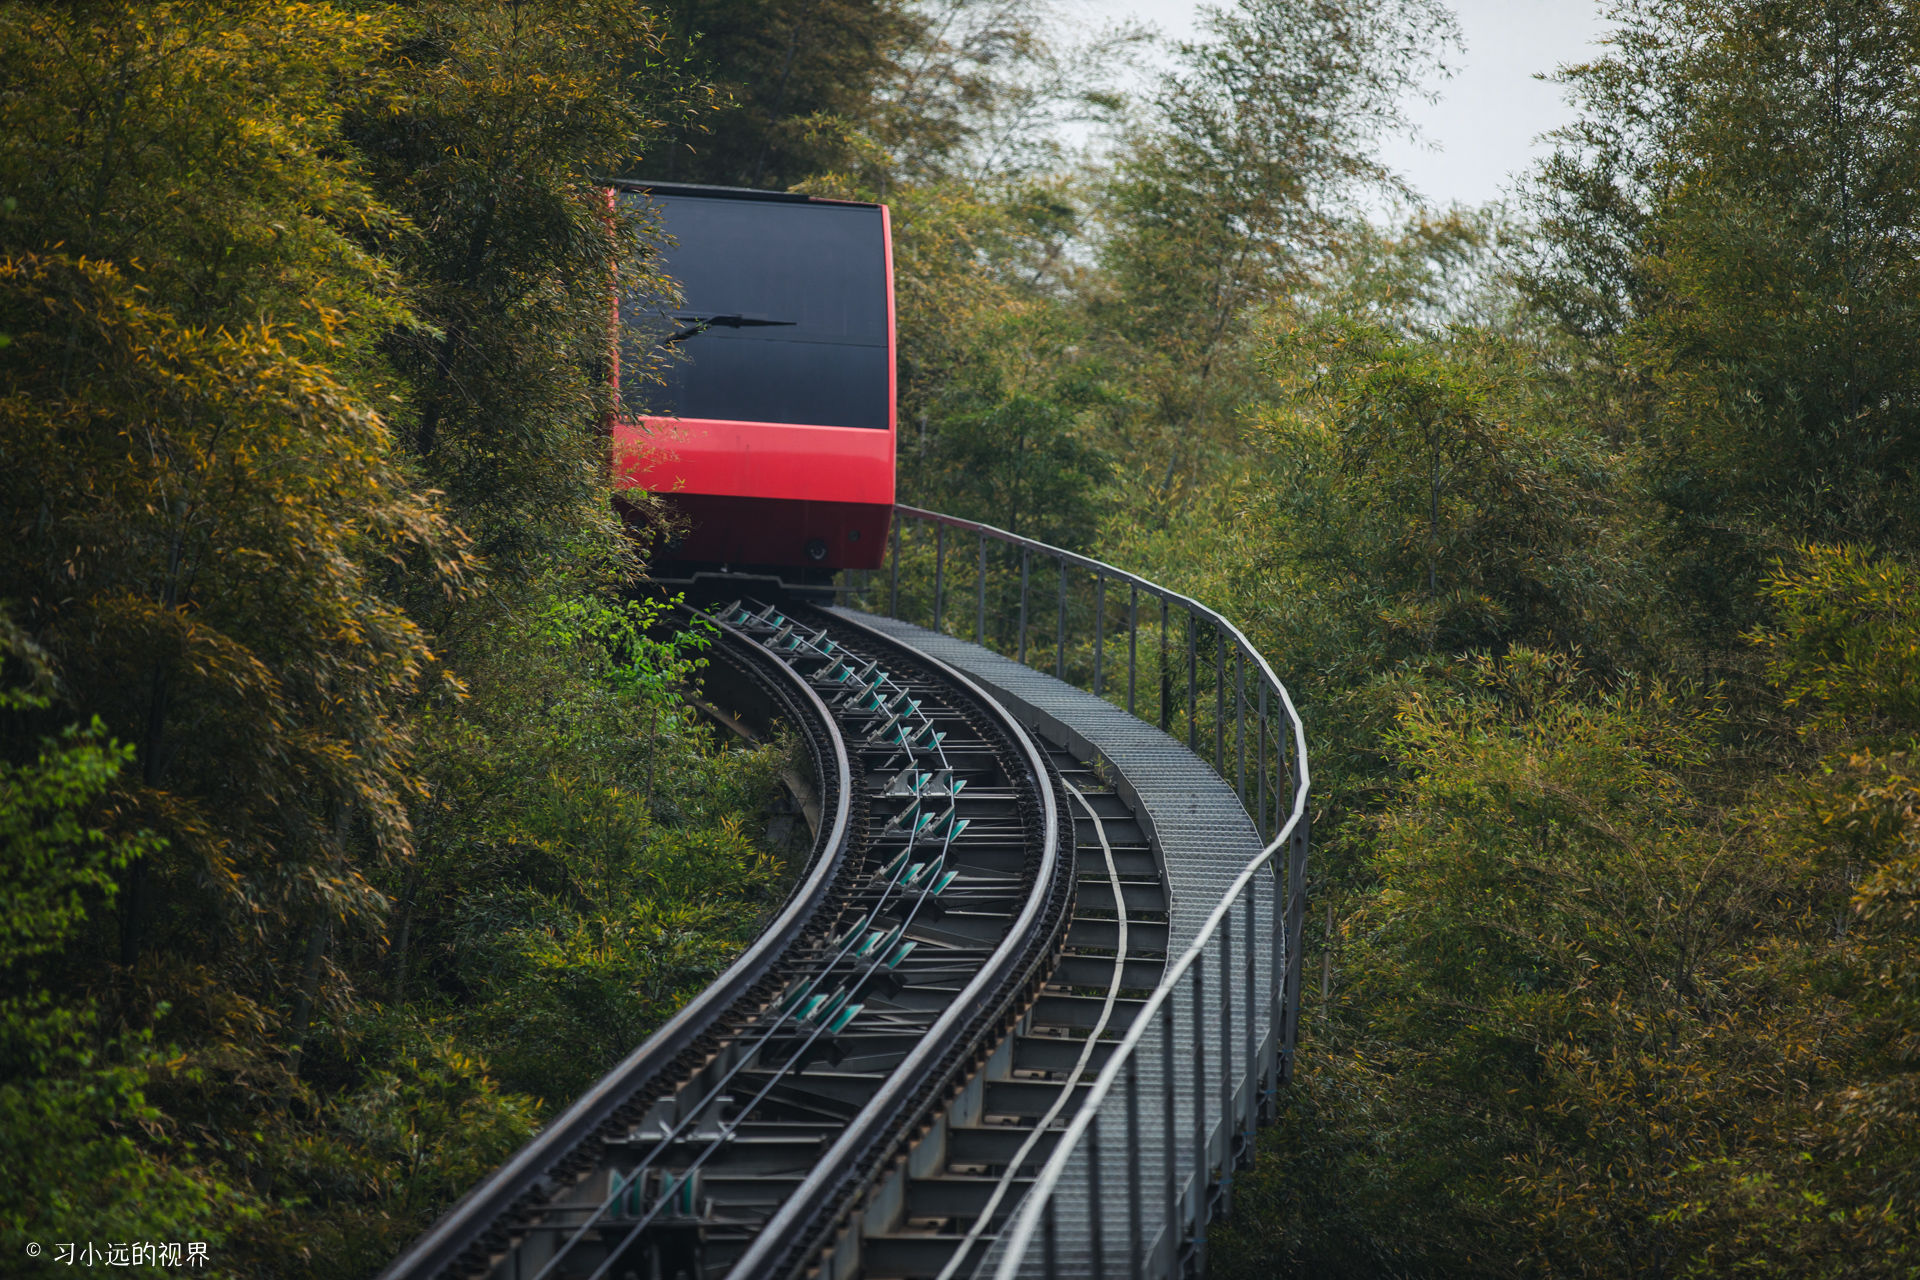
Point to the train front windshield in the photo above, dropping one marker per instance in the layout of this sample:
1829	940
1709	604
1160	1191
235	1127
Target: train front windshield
783	316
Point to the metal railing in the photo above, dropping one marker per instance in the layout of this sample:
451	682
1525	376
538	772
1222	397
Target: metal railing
1215	1041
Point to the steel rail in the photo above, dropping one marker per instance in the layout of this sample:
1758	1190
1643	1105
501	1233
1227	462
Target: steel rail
1269	1055
978	1230
801	1228
463	1225
795	1061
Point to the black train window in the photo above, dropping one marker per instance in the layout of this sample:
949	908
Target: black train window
783	316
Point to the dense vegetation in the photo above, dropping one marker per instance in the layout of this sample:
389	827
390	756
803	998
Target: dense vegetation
353	818
351	813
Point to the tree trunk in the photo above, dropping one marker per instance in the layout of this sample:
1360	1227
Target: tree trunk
309	988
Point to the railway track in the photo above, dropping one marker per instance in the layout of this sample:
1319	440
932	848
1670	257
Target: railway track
941	1212
868	1090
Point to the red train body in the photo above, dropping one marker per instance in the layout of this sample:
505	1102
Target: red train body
774	432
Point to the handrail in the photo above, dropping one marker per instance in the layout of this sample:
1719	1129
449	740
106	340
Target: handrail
1267	1066
1103	572
1038	1200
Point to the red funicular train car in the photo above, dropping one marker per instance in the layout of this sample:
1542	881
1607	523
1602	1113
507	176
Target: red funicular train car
774	432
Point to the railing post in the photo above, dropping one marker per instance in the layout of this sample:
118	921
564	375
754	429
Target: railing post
893	574
1219	703
1240	723
1049	1243
1169	1139
1026	565
1096	1236
1281	792
1133	638
1202	1158
939	572
1260	773
1276	982
1193	683
1166	674
1296	920
1227	1117
1251	988
1060	628
1136	1265
980	597
1099	633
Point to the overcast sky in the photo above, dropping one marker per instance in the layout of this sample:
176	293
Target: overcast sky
1482	130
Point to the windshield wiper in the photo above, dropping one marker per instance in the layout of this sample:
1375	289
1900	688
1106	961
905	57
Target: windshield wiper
700	324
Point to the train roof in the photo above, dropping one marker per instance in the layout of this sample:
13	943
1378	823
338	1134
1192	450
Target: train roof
644	187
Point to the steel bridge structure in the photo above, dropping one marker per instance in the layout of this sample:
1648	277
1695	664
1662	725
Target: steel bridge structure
1035	988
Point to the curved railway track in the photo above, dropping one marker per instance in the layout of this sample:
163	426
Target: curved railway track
1022	1010
868	1088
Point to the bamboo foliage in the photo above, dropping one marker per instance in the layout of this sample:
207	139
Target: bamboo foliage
198	516
248	253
